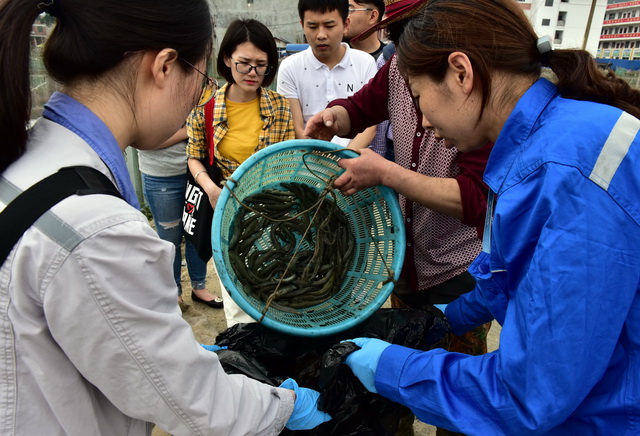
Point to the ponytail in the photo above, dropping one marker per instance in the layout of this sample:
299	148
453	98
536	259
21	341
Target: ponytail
16	20
579	78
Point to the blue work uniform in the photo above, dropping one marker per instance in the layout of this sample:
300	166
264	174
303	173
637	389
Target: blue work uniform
562	278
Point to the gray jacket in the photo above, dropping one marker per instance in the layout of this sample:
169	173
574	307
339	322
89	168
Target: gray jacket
92	341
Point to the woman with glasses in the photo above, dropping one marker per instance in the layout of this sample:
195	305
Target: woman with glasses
247	116
92	339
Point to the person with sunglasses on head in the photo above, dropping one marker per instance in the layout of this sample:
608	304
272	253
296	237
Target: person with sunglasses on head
247	116
363	15
560	266
93	340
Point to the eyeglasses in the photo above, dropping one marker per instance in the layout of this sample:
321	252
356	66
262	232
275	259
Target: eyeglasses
209	86
359	9
245	68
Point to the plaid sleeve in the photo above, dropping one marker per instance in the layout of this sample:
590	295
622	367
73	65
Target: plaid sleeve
282	128
197	145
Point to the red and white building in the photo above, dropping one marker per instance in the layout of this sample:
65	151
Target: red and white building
620	35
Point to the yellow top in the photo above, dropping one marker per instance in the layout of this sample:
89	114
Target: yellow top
242	137
274	111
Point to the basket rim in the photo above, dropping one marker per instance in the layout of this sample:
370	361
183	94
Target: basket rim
221	269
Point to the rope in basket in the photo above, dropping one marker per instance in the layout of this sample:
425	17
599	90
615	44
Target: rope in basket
328	275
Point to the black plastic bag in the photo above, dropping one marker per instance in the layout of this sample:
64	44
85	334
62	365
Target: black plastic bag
317	363
235	362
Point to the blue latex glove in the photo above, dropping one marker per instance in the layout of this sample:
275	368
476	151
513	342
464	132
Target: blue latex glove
305	414
213	347
364	362
442	307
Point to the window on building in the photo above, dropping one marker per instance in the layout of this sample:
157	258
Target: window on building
626	44
605	45
558	37
562	18
546	21
548	2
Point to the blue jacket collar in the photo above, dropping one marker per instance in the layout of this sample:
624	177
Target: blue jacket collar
516	130
76	117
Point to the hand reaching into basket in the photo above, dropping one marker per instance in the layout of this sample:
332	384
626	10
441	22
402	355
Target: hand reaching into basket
328	123
362	172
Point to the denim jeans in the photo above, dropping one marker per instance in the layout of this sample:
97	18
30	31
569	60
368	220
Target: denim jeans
165	197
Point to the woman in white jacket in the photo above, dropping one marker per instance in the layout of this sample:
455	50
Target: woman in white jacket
92	341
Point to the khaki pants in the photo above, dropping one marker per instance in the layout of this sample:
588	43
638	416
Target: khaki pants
232	312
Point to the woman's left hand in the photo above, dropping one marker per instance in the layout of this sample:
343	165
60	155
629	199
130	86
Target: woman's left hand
369	169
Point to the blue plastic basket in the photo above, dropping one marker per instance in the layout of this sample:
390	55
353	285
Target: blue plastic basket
374	216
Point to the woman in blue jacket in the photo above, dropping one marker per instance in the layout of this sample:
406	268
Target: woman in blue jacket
560	268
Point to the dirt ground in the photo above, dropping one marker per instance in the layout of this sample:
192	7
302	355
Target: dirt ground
208	322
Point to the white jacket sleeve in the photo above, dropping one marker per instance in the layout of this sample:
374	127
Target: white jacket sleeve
117	288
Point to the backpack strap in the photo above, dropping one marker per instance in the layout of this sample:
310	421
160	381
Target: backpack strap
208	125
24	210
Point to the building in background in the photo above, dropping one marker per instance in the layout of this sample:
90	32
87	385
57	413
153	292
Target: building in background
280	16
620	36
569	23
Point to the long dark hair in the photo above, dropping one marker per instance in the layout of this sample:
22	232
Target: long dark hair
253	31
497	36
89	38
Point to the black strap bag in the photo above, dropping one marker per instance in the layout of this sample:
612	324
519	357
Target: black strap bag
24	210
198	213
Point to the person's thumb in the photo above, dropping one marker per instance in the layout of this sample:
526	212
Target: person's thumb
328	118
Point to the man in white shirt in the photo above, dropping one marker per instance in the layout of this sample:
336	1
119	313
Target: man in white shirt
327	70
